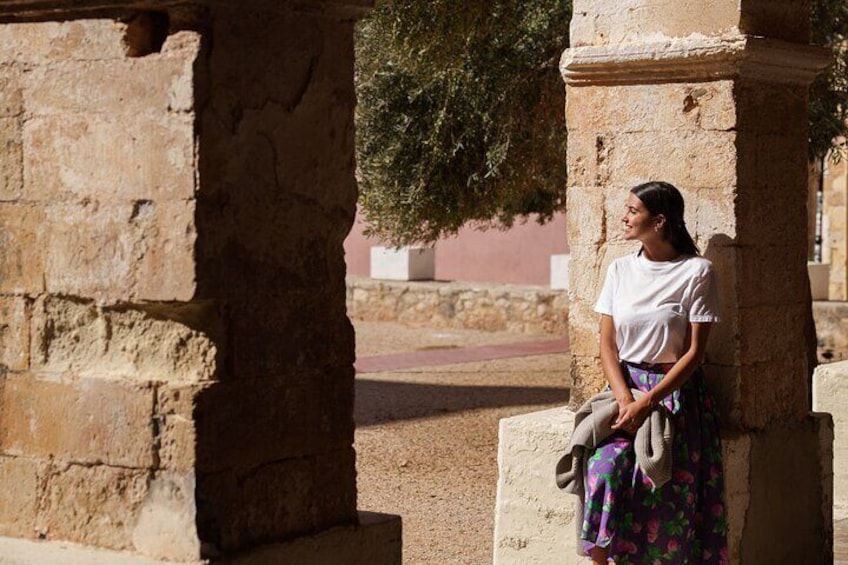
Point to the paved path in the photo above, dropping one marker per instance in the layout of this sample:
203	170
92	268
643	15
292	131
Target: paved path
447	356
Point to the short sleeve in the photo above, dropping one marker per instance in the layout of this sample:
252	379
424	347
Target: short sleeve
704	305
604	303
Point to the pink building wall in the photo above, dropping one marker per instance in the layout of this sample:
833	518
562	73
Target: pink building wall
521	255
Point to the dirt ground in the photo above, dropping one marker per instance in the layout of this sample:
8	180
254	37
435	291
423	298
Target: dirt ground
427	438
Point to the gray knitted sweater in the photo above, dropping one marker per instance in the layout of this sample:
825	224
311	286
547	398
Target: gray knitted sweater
593	424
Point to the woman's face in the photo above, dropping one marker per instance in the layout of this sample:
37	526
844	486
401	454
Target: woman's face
638	222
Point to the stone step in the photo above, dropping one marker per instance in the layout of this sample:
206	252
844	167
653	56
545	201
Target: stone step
376	539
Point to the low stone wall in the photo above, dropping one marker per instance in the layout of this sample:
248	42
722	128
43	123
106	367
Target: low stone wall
521	309
481	306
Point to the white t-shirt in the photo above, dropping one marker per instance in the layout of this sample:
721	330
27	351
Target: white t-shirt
653	302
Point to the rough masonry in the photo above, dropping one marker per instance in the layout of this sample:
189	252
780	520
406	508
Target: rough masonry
176	185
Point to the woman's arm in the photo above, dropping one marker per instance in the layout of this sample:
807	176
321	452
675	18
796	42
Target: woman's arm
633	414
611	364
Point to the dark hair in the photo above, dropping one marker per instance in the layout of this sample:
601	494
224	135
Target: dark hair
663	198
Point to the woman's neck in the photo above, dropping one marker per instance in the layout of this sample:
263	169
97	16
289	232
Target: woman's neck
659	251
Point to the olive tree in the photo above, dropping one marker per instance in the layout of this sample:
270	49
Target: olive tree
461	120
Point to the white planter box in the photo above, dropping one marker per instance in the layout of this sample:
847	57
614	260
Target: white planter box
819	279
559	271
403	264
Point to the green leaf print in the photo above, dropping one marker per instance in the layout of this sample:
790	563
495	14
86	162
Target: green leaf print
676	525
652	552
653	498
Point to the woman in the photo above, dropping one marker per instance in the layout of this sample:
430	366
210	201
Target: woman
656	309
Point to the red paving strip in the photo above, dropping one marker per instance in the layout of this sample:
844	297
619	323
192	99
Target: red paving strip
410	360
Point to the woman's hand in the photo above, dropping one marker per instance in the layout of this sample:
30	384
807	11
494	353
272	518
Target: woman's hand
631	416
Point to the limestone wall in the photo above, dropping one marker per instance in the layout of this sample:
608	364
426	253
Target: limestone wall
490	307
178	366
97	225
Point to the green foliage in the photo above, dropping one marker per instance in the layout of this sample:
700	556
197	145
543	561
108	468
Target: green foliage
460	115
829	92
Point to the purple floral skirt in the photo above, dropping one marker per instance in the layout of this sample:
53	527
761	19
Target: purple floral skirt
682	522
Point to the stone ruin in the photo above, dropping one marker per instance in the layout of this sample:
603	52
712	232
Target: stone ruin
177	183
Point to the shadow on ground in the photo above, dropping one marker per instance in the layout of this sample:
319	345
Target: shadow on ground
382	401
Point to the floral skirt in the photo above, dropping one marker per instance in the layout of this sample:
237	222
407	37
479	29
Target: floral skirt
682	522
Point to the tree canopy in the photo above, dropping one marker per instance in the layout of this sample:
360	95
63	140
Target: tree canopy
829	92
461	120
460	114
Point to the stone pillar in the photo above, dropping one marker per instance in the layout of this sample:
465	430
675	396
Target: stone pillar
714	100
177	362
835	227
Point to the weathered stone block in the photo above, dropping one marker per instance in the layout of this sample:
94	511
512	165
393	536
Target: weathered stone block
830	395
375	539
142	156
759	102
694	159
712	214
658	107
88	421
583	324
177	427
588	377
11	92
155	85
534	520
585	282
585	225
723	383
167	519
22	251
19	483
582	160
771	332
11	157
14	332
607	22
235	509
120	252
774	390
81	339
790	491
736	460
273	420
41	42
770	275
95	505
761	219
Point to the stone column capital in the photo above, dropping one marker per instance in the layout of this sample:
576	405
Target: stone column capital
694	58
